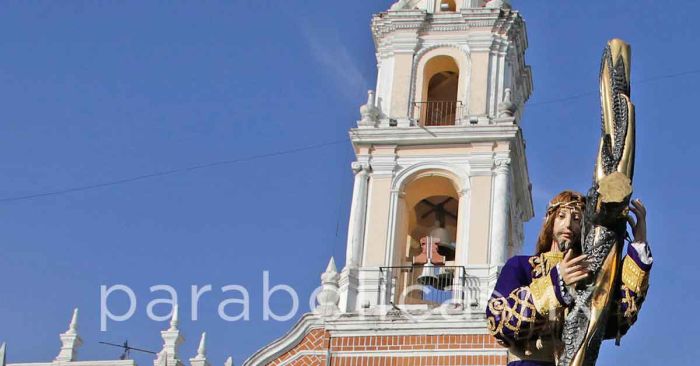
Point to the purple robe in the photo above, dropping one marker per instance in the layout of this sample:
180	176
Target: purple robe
528	305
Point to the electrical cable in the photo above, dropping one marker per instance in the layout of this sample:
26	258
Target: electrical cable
168	172
279	153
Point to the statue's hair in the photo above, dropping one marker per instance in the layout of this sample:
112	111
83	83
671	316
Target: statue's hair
565	199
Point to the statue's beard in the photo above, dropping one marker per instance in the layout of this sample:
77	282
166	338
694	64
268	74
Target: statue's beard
564	245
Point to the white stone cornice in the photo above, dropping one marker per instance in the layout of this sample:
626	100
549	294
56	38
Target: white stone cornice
499	21
432	135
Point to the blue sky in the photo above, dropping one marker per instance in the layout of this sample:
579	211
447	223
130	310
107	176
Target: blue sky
94	92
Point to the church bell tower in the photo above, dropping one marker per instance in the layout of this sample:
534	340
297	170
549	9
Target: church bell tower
439	151
440	195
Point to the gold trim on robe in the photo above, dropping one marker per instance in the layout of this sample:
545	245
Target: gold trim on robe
633	277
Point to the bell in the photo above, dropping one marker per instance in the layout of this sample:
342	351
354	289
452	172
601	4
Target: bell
429	275
445	244
440	233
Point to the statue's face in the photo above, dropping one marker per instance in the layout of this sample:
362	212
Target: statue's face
567	228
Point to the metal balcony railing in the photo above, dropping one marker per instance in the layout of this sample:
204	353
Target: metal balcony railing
438	112
428	285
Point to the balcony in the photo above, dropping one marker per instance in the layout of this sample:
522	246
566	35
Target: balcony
429	285
438	112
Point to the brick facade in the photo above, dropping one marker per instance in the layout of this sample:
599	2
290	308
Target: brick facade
393	350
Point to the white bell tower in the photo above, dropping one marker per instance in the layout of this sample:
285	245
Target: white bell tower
440	196
439	153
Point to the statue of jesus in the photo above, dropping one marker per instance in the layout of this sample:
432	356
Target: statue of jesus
533	293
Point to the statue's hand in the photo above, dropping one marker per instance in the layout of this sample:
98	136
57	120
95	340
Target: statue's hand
573	270
639	226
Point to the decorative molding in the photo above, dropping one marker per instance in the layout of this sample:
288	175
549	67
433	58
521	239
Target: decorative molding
458	175
358	167
383	164
433	135
502	165
285	343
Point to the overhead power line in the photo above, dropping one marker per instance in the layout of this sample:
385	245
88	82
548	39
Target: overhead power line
169	172
591	93
283	152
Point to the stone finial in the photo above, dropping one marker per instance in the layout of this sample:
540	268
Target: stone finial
229	361
328	297
174	318
369	111
73	327
172	339
331	268
497	4
70	341
202	349
400	5
3	347
506	108
201	358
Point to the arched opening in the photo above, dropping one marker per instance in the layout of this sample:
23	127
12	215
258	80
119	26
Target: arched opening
448	5
429	231
440	88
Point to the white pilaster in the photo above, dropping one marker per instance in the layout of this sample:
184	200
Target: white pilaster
431	6
501	212
461	255
356	228
70	341
394	203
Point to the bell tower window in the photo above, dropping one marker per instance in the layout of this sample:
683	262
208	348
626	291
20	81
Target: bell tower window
428	228
441	85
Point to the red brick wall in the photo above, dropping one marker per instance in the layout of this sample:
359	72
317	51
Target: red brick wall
315	340
460	347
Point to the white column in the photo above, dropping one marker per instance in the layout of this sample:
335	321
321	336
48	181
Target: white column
462	249
356	227
392	228
501	212
395	205
431	6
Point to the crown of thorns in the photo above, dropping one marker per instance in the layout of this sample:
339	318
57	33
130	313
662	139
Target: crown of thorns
572	205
